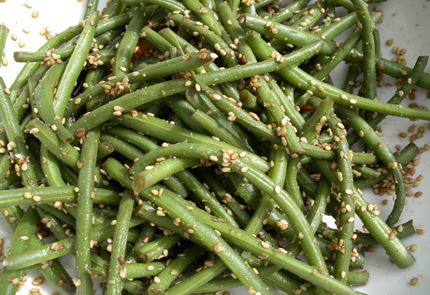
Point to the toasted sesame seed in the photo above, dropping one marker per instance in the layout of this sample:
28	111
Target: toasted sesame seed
420	231
218	247
35	14
265	245
414	281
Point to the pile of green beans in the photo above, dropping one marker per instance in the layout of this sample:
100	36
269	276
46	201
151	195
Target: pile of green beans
190	147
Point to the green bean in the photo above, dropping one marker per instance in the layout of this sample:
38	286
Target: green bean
204	234
43	253
386	156
199	190
174	269
216	129
214	39
44	99
16	138
153	250
146	144
50	168
21	104
54	224
115	274
208	17
155	39
382	233
90	7
12	179
54	273
263	169
131	152
129	271
307	21
351	78
197	279
62	150
225	197
335	28
403	158
254	246
284	130
315	123
21	241
388	67
160	69
74	66
30	68
3	36
153	174
227	87
226	75
347	213
105	149
45	195
286	33
135	287
400	94
342	98
171	5
102	32
288	11
4	167
163	130
202	101
264	184
86	166
369	67
129	41
58	214
147	234
184	110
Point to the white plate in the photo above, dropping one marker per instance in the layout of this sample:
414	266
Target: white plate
405	21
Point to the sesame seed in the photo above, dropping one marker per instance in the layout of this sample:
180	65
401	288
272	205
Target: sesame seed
414	281
218	247
420	231
35	14
265	245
